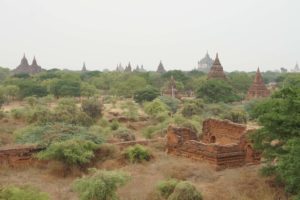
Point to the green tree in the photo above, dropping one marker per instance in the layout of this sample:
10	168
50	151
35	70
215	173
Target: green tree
137	153
87	90
65	88
146	94
278	138
217	91
155	107
240	81
100	185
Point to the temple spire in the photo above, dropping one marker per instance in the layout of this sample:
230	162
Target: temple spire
258	88
83	67
160	68
34	63
216	71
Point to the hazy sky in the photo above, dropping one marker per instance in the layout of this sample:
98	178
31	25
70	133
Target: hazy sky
103	33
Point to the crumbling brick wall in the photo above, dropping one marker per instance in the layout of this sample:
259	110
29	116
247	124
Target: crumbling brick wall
18	155
223	131
223	153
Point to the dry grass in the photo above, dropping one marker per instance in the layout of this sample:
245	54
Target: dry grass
231	184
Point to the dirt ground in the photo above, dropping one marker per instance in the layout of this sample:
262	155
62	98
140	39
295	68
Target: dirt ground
231	184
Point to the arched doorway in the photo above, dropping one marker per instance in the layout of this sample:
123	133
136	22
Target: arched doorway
212	139
249	154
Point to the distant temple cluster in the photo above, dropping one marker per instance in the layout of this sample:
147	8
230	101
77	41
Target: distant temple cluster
214	69
128	68
25	68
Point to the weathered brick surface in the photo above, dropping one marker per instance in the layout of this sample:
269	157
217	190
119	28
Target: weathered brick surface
18	155
228	149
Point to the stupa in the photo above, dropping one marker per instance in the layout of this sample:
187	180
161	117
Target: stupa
216	71
258	88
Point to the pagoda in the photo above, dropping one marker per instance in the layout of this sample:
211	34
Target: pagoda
296	69
216	71
83	68
160	68
258	88
128	68
205	63
25	68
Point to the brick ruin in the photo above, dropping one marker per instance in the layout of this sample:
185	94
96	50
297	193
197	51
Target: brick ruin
18	155
223	144
258	88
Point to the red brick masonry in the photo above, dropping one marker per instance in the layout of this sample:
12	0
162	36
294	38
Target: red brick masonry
223	144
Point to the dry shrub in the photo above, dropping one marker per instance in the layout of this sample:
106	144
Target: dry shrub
241	184
190	170
59	169
106	152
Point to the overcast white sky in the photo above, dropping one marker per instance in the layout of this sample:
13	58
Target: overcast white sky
103	33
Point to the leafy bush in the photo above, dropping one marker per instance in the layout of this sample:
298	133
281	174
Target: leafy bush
146	94
114	125
124	134
185	190
166	188
130	110
236	115
191	108
137	153
92	107
49	133
71	152
39	114
100	185
155	107
24	193
171	102
18	113
173	189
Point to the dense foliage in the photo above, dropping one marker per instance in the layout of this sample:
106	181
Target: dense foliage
278	138
100	185
70	152
217	91
146	94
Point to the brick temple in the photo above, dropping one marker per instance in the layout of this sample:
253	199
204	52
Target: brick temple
160	68
258	88
25	68
216	71
224	144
